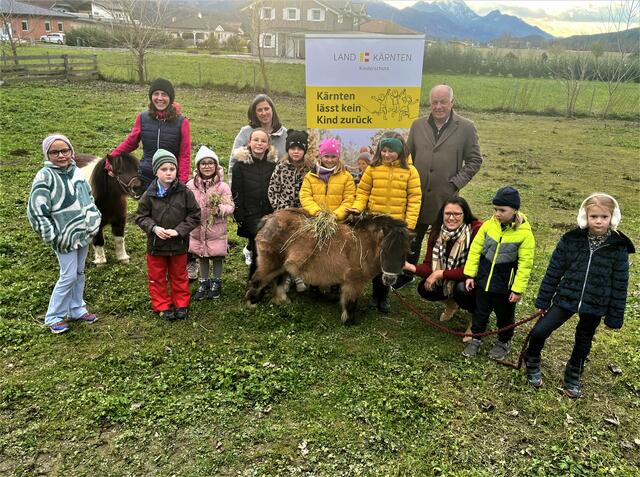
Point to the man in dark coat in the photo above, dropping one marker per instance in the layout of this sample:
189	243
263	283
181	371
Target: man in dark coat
446	151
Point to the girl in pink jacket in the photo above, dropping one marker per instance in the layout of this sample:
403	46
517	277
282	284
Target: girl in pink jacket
209	239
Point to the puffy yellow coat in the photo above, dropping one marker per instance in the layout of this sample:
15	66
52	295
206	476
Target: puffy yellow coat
391	190
336	195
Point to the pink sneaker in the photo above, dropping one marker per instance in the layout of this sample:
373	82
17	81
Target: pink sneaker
87	318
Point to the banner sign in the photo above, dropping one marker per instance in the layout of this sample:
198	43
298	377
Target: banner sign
359	85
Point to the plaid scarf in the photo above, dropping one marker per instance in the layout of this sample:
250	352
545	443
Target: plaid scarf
461	238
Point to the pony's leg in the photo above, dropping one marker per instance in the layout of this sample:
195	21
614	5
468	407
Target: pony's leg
117	229
349	301
98	248
280	291
263	275
121	252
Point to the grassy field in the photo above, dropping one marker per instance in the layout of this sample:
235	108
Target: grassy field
287	390
475	93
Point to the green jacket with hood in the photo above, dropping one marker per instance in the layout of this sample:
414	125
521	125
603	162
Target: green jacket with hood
500	259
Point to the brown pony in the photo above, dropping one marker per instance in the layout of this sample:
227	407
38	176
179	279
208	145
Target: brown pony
363	247
112	180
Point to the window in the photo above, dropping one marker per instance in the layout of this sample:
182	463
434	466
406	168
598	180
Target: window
47	26
25	25
315	15
267	13
60	26
267	40
291	14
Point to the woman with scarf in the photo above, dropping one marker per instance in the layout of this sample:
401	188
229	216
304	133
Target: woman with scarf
447	248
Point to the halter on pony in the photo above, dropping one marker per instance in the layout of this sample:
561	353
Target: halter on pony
126	187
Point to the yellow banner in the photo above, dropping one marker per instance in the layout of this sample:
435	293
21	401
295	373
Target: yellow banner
362	107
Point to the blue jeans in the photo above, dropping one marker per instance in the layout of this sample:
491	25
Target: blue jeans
67	296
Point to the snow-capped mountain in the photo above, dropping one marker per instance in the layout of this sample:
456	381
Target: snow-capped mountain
448	19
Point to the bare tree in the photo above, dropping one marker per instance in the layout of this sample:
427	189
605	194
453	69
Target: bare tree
619	67
258	39
138	25
570	68
9	38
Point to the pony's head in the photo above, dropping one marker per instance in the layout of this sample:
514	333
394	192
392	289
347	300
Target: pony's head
395	242
124	170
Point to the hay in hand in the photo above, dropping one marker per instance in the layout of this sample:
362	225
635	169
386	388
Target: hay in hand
322	228
215	201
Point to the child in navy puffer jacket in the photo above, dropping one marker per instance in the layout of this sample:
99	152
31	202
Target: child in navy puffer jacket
588	274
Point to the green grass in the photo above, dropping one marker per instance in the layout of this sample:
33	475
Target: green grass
287	390
475	93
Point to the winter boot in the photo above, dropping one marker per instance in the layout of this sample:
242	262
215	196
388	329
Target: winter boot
216	288
201	294
572	375
534	376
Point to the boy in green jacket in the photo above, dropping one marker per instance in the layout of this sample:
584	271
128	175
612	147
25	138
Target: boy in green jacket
498	266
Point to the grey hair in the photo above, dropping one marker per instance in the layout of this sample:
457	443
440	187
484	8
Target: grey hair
449	89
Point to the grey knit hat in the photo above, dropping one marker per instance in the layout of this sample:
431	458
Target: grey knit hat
162	156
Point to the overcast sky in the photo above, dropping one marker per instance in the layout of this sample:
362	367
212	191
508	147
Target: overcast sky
558	17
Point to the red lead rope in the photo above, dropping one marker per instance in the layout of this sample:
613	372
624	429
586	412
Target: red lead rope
438	326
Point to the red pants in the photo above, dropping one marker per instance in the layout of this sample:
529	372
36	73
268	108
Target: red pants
175	267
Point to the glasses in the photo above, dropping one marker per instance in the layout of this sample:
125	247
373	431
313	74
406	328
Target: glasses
64	152
207	164
455	215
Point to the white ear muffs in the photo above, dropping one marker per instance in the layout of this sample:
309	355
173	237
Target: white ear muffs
615	217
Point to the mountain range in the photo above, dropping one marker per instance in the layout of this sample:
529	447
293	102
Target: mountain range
453	19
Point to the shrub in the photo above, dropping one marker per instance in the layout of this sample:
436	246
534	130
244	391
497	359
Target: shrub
90	36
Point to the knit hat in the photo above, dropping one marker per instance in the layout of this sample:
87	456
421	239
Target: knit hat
616	216
297	139
329	147
392	143
365	156
47	141
507	196
205	152
161	84
162	156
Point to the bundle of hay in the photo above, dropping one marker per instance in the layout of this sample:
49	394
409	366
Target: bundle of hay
215	201
321	227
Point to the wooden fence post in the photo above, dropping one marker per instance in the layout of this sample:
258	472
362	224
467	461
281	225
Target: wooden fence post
66	66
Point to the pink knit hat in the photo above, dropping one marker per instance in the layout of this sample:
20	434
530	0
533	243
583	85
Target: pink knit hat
46	144
329	147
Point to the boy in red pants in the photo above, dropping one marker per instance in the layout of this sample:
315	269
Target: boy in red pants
167	212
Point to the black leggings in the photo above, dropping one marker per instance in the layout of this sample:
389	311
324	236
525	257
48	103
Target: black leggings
465	299
499	303
554	319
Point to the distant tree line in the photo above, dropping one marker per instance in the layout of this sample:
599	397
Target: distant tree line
594	65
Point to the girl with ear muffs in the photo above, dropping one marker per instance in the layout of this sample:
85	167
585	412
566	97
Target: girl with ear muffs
588	274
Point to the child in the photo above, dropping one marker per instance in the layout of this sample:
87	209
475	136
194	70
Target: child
167	212
389	186
498	266
362	162
286	180
588	274
209	239
252	171
62	212
330	187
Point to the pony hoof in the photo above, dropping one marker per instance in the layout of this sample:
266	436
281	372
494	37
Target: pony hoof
123	261
281	301
251	305
100	263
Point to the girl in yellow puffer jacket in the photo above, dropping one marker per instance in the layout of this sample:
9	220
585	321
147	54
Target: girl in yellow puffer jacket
328	187
390	185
